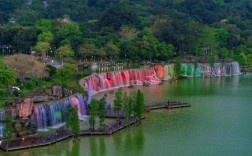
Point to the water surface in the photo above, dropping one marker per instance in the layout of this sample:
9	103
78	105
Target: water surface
218	123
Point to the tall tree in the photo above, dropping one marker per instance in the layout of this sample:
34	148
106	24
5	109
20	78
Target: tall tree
177	68
8	129
42	48
93	113
111	49
72	120
68	33
127	104
64	51
134	102
87	51
139	104
118	102
102	111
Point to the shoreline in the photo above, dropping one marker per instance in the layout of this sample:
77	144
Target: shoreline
26	143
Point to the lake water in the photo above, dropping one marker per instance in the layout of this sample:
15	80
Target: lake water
218	123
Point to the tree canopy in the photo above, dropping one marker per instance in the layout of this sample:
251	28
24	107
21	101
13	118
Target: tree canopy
138	30
26	66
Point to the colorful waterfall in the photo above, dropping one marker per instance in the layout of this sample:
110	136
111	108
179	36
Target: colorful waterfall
110	80
117	79
2	116
205	70
53	115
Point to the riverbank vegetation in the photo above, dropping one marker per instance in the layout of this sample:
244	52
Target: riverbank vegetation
121	31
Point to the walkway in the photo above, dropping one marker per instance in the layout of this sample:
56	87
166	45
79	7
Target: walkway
24	143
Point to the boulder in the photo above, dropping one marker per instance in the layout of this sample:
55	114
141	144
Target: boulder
40	98
57	91
24	109
67	92
11	111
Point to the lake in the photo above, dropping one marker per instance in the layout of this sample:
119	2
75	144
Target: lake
218	123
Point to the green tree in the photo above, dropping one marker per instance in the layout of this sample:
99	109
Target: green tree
111	49
72	120
45	25
164	51
70	34
7	77
25	39
128	33
42	48
133	96
177	67
211	61
46	36
102	111
208	41
26	16
87	51
127	104
139	104
243	59
222	36
118	102
64	51
67	72
93	113
8	129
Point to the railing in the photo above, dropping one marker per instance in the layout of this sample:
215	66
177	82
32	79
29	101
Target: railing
31	142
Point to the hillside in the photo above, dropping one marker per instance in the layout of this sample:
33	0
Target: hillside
139	29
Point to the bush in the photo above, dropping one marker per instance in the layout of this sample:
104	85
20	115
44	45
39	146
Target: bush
30	84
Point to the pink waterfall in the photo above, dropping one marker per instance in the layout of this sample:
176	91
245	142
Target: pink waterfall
105	81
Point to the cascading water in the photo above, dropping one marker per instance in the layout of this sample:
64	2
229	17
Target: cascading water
105	81
56	113
83	106
232	68
170	70
188	70
2	116
53	115
41	117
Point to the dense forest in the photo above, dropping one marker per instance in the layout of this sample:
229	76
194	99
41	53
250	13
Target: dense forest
128	29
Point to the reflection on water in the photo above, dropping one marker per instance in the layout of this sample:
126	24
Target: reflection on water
76	148
102	146
92	146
